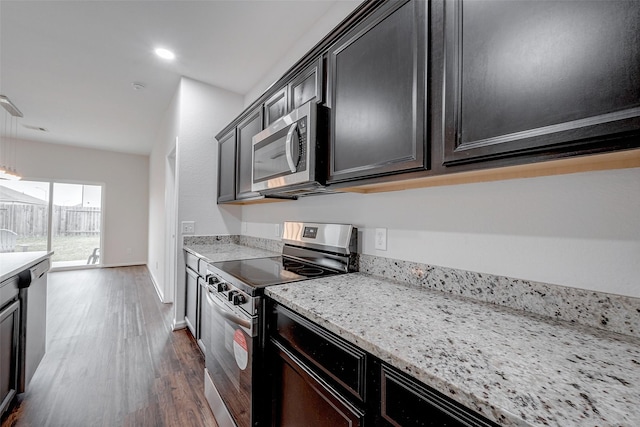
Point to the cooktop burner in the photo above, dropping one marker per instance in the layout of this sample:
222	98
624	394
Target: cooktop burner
261	272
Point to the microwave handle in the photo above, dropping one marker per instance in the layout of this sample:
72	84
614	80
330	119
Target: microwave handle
288	147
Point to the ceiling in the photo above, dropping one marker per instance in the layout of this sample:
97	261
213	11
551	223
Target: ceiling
69	65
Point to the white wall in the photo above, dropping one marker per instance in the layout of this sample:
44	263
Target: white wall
126	186
204	111
197	113
158	193
336	13
579	230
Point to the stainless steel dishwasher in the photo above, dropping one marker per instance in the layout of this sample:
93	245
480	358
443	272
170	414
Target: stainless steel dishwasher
33	321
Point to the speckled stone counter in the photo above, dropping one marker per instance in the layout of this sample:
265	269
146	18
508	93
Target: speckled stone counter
516	369
227	252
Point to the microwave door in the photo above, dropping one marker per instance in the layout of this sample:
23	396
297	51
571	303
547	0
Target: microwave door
281	155
270	160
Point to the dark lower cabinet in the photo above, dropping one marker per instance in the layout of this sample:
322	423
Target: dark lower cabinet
302	398
406	402
191	302
9	330
318	379
539	78
377	95
340	362
227	167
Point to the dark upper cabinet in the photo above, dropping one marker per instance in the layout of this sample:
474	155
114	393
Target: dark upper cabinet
246	129
306	86
276	106
227	167
376	93
540	78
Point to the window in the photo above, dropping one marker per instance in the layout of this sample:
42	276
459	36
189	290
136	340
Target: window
65	218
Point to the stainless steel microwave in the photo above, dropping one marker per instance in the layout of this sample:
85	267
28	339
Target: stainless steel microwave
288	157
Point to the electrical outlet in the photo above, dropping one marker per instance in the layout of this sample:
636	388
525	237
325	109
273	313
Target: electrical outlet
188	227
244	227
276	230
128	251
381	239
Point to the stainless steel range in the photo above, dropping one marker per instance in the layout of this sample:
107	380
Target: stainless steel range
234	314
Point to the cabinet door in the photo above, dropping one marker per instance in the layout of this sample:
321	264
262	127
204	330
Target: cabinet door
191	301
9	330
406	402
301	398
377	94
540	77
307	85
245	132
275	107
202	318
227	167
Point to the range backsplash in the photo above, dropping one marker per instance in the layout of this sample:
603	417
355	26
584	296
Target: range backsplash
614	313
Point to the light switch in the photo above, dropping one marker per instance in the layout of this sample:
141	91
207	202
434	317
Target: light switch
381	239
188	227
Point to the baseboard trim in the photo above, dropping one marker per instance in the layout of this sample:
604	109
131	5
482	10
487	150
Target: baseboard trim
178	325
155	285
124	264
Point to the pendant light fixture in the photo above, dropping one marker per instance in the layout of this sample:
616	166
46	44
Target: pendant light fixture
8	138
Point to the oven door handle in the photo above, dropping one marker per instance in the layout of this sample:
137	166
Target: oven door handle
293	166
245	323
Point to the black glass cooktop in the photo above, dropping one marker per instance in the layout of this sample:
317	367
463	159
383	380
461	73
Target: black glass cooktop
261	272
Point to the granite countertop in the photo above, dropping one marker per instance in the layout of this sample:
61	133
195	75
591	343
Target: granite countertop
12	263
227	252
517	369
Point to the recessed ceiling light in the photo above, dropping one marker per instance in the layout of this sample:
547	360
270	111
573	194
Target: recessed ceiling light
165	53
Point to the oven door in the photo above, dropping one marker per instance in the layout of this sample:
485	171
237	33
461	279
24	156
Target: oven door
231	339
284	154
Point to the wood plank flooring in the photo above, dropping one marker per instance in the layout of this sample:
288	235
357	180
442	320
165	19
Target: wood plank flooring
112	359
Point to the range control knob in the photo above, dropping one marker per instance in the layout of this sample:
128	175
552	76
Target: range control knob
222	286
238	299
231	294
212	279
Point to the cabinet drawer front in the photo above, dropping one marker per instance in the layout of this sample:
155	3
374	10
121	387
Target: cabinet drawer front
303	398
336	359
192	261
406	402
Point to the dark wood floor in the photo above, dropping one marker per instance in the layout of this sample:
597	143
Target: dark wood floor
112	359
